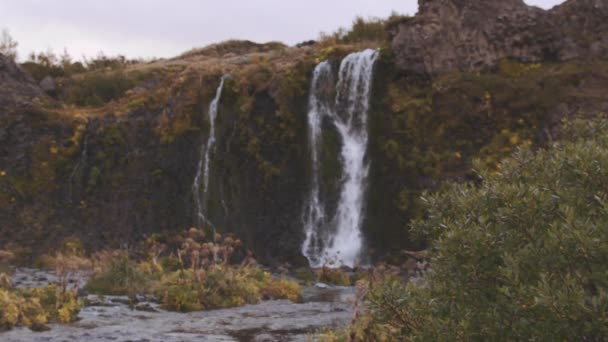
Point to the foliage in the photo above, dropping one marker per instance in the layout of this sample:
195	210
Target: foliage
333	276
522	256
237	47
431	130
43	64
48	63
60	305
36	307
362	30
378	313
197	275
103	62
221	286
208	281
5	259
329	276
8	46
280	289
116	274
215	287
97	88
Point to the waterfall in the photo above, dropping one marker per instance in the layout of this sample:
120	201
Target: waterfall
314	214
203	169
338	242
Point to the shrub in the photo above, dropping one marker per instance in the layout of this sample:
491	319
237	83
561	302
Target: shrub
521	256
281	289
36	307
6	257
59	305
8	46
97	88
333	276
116	274
221	286
363	30
200	277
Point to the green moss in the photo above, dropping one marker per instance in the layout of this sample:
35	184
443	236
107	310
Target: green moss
113	136
94	179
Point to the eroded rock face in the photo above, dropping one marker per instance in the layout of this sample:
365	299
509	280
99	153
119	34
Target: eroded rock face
18	88
449	35
18	94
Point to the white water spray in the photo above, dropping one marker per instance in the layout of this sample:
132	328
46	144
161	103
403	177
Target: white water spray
204	167
339	242
314	214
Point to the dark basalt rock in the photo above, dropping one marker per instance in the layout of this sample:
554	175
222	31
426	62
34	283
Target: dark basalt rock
17	89
448	35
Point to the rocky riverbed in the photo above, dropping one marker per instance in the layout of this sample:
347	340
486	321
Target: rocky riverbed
112	318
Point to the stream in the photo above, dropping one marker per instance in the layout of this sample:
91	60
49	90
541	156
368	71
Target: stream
111	318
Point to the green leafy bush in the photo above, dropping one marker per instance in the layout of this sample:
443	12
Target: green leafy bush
521	256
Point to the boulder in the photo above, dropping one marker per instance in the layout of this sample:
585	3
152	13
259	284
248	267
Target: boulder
48	85
465	35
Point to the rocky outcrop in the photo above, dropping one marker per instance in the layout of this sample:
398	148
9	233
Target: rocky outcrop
448	35
18	95
18	88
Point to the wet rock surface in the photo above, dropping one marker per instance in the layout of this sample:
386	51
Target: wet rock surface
112	318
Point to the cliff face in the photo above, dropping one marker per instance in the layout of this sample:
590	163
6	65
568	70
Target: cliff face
112	175
18	95
448	35
18	92
496	75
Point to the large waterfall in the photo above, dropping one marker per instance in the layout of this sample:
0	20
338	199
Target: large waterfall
203	168
338	242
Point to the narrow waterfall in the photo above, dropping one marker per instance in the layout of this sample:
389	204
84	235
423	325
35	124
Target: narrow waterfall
338	242
314	213
203	169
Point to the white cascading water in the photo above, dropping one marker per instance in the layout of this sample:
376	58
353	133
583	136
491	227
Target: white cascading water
314	213
339	242
204	161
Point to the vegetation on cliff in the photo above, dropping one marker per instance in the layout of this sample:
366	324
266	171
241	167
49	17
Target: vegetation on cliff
428	131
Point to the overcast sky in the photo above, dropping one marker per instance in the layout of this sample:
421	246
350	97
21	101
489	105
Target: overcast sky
166	28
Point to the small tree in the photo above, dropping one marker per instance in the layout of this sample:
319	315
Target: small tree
8	46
